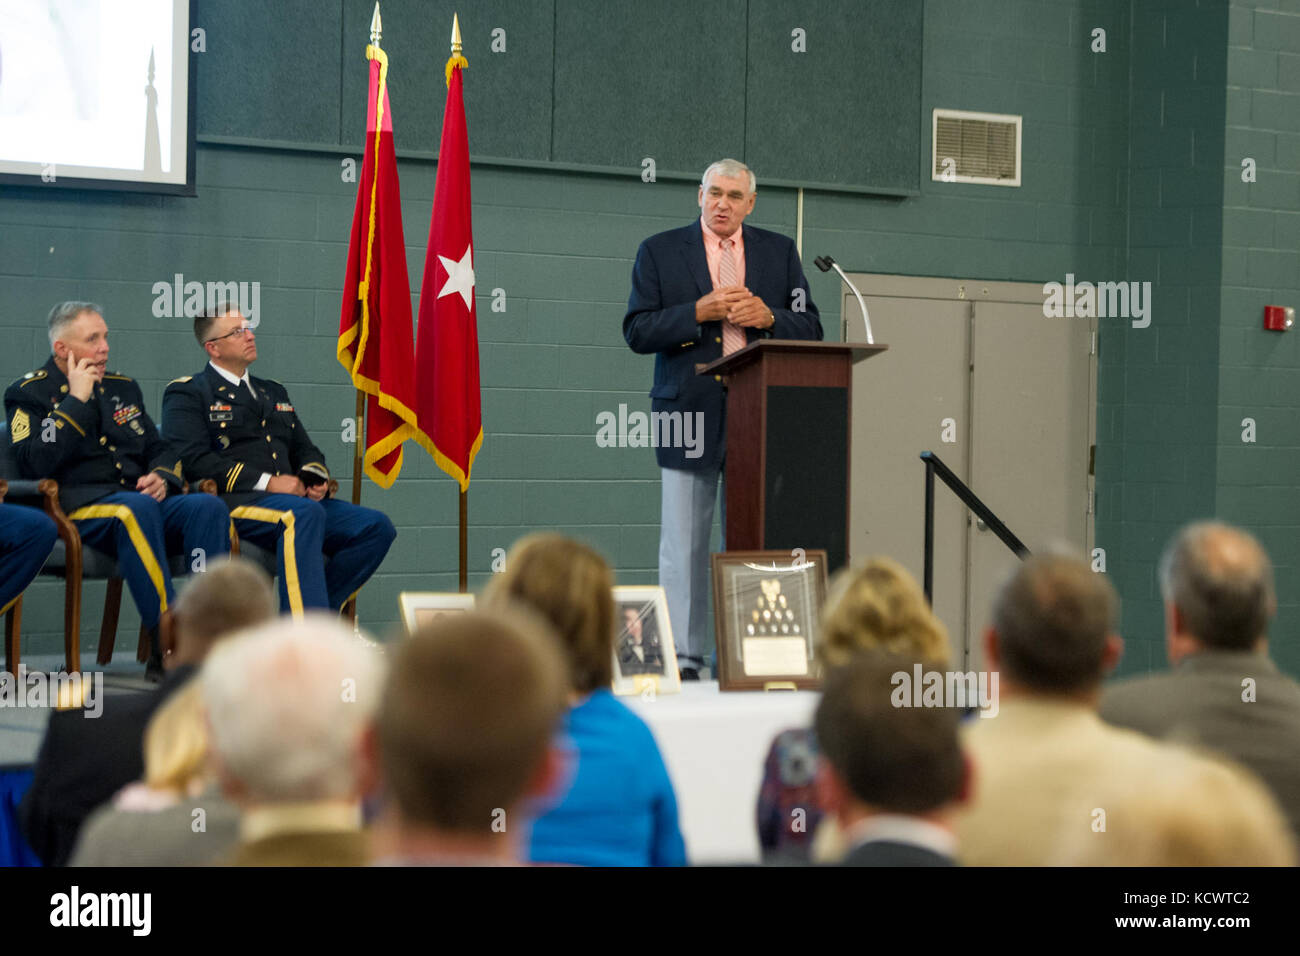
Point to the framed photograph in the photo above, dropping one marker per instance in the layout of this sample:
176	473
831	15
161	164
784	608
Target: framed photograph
766	606
421	607
645	660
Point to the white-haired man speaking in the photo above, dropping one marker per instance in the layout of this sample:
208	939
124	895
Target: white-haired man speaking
698	293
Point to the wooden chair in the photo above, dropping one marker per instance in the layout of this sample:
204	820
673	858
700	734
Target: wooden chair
74	563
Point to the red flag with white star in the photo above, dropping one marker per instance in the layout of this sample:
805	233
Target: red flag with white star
446	348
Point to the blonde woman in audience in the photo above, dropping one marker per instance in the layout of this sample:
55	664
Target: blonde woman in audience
620	809
1190	813
153	822
873	605
876	605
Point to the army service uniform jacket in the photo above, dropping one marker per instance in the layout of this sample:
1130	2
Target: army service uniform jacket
222	432
92	449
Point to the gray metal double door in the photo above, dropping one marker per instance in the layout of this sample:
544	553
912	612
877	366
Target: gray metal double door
1006	397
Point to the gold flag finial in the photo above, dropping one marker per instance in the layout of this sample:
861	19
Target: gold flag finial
456	59
376	26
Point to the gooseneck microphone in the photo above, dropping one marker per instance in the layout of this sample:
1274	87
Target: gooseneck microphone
826	264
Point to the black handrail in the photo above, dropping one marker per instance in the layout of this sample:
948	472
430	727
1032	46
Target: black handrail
934	465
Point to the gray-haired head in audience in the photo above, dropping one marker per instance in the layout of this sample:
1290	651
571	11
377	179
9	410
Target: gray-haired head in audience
286	704
1217	584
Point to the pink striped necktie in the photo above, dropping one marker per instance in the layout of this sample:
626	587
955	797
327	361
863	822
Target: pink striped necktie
733	336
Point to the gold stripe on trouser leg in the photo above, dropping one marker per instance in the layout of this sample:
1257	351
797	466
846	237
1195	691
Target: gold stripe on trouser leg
271	516
150	561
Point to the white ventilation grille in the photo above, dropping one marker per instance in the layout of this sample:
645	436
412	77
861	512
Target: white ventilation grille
976	148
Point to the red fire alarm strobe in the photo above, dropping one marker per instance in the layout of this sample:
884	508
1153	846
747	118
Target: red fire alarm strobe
1278	318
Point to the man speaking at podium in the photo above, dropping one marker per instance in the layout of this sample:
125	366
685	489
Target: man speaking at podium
698	293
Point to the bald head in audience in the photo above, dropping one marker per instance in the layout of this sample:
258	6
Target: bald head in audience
1217	584
1222	691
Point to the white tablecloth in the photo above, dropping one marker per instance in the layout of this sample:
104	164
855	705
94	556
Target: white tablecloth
714	745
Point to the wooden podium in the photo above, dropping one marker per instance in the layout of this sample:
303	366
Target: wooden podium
789	434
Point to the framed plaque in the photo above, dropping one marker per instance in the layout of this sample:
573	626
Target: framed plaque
422	607
645	660
766	606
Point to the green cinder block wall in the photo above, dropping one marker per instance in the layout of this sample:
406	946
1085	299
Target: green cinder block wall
1125	161
1259	371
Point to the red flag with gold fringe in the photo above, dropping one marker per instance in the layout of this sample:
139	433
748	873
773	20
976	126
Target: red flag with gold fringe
375	340
446	356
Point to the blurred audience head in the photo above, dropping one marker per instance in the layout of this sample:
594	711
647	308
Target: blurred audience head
286	704
881	758
464	733
877	605
176	744
231	595
1217	584
569	584
1053	627
1189	811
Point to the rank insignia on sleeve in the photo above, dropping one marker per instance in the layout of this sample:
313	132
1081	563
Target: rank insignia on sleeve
21	427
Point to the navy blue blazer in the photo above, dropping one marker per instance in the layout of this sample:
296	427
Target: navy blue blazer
670	274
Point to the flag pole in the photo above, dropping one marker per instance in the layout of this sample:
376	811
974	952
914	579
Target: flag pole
358	457
456	48
376	31
464	512
359	435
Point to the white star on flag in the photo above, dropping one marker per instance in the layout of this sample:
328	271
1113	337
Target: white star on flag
460	277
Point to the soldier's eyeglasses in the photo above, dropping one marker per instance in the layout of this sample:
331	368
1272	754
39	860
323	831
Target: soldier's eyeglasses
242	330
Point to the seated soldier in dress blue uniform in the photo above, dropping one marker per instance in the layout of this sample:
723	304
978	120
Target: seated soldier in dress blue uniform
86	427
243	433
26	539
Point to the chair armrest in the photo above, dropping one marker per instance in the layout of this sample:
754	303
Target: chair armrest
21	488
48	489
4	489
206	486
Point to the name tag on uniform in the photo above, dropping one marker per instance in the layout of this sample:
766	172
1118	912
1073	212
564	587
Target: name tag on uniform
283	407
124	414
221	413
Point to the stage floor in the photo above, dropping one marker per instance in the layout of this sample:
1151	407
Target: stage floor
22	728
